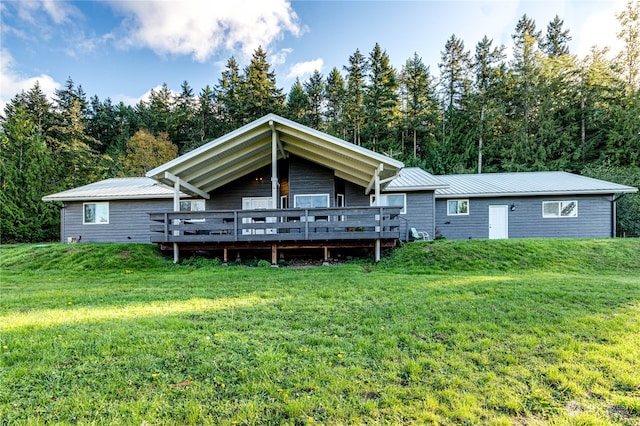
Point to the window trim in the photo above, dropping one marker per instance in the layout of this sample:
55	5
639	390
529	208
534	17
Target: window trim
295	200
458	201
561	204
191	201
84	213
372	200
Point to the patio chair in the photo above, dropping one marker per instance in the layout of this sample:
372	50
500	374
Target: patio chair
418	235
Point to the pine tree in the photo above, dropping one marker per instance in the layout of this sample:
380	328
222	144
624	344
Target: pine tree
420	106
354	105
629	57
228	94
183	118
297	108
335	94
556	41
26	169
259	93
381	102
315	90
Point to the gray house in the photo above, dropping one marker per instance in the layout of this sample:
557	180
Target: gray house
277	185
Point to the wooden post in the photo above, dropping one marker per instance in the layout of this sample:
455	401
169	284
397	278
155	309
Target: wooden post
176	208
377	192
274	254
225	255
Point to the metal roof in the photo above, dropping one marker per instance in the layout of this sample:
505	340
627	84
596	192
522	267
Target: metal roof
248	148
114	189
526	183
415	179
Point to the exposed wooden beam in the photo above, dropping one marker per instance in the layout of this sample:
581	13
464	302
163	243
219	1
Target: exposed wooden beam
186	186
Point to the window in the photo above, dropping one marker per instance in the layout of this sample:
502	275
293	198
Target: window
559	209
311	201
192	206
96	213
391	200
457	207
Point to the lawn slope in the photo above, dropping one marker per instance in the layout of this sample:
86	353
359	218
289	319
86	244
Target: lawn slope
469	332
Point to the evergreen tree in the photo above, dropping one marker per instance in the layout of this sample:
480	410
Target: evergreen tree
488	67
183	119
629	57
335	94
297	108
315	90
525	67
454	71
259	93
381	102
228	92
206	124
26	168
354	105
420	107
556	41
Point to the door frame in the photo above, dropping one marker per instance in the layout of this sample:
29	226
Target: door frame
502	227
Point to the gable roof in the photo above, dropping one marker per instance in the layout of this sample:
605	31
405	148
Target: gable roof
114	189
248	148
526	184
415	179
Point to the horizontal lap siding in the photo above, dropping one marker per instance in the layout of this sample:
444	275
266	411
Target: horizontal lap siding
229	197
309	178
526	221
419	213
128	221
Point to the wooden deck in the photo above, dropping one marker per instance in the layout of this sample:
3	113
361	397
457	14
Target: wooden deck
281	225
278	229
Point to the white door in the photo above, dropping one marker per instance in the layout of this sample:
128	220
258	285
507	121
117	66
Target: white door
257	203
498	222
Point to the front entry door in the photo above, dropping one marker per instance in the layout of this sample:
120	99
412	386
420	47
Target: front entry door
257	203
498	222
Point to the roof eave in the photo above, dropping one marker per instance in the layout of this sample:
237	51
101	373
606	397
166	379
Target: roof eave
107	198
415	188
538	194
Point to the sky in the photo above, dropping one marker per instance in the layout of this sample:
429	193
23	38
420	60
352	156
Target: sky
121	49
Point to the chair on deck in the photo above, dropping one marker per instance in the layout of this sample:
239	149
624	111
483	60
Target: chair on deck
418	235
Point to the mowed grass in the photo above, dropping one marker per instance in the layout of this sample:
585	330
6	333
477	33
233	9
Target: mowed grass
472	332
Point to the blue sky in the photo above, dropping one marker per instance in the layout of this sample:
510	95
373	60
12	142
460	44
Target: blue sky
122	49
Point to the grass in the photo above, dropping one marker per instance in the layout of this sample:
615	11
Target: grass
470	332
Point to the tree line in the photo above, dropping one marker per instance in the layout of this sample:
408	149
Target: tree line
544	109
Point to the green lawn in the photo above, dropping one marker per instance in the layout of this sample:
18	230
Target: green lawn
470	332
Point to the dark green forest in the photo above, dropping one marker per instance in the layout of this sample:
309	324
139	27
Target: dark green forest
543	109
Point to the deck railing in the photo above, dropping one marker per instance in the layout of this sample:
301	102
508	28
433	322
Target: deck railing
227	226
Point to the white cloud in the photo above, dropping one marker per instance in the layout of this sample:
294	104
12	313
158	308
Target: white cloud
12	83
280	57
60	12
305	68
201	28
132	101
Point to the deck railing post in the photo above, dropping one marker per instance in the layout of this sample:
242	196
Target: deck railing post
235	225
166	227
306	224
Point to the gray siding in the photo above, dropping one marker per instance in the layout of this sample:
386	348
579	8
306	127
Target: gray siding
594	218
229	197
310	178
419	213
128	221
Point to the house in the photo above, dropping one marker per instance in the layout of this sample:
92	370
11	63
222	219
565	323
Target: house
276	185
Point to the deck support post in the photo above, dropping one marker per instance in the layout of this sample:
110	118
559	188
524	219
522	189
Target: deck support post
225	255
176	208
326	254
377	194
274	254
